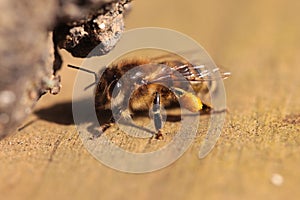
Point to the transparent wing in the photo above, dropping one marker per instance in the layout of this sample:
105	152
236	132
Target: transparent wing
191	72
201	73
198	73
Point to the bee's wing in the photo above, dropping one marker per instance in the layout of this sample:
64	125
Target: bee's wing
200	73
191	73
201	77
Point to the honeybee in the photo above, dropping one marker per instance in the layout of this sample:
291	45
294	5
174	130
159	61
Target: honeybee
150	84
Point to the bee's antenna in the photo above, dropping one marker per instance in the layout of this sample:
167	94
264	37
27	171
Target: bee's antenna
86	70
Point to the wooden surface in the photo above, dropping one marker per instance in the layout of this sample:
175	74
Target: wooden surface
258	41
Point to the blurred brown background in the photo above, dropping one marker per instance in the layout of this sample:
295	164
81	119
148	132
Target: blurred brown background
258	41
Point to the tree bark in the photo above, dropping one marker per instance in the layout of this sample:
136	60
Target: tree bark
31	31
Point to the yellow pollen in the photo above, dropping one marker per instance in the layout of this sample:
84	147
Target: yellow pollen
191	102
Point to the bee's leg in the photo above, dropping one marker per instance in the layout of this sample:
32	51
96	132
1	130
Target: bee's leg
189	100
98	131
105	119
107	125
157	115
206	109
194	103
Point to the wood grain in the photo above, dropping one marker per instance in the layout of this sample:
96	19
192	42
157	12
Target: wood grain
258	41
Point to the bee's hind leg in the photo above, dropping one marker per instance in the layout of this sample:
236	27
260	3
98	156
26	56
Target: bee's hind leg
157	117
206	109
188	100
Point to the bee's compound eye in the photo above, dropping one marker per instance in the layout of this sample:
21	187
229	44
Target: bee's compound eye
115	88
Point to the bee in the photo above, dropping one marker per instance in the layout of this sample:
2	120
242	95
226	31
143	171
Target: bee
160	82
